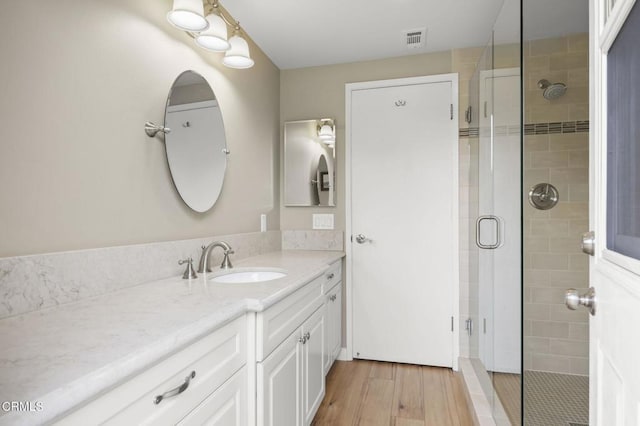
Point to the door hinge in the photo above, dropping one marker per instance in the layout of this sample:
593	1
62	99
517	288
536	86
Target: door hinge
485	109
468	115
589	243
451	110
468	325
484	325
452	324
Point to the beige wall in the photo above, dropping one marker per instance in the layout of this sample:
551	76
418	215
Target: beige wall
318	92
76	169
556	339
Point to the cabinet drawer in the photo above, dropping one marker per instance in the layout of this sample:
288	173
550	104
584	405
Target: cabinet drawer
333	275
227	406
281	319
213	358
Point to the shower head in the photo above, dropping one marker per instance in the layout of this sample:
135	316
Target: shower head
552	91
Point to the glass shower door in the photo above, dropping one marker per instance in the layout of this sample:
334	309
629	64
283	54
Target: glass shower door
502	176
498	230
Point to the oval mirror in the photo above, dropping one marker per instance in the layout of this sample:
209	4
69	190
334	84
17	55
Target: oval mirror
196	143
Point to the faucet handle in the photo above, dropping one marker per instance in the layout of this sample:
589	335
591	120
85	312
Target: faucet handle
226	262
189	272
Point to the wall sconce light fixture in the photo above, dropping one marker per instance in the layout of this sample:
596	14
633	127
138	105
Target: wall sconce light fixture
327	131
210	32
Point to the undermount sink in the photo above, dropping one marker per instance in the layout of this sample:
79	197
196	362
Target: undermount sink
249	276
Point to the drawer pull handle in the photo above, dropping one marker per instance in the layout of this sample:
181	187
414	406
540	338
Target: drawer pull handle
330	276
177	391
307	336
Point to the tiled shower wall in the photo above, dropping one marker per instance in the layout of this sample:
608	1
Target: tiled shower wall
556	151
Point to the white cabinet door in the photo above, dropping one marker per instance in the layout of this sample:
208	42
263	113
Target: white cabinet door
227	406
313	364
333	326
336	324
279	384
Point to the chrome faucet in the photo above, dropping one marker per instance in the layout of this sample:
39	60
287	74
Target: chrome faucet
205	258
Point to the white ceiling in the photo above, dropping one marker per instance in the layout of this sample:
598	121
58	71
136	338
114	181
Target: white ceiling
554	18
302	33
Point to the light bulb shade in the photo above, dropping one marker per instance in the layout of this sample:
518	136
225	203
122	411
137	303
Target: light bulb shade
215	37
238	55
188	15
326	134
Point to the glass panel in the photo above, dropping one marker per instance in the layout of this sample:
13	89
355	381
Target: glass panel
623	140
496	96
555	58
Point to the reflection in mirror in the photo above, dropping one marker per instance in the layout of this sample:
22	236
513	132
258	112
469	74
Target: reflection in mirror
196	144
309	159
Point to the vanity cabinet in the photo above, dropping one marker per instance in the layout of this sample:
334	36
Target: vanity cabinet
208	380
333	314
313	383
333	325
227	406
290	378
333	320
264	368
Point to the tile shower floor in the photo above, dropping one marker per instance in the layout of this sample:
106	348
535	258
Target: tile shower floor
551	399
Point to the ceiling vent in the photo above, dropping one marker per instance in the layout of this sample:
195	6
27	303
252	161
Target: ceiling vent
415	38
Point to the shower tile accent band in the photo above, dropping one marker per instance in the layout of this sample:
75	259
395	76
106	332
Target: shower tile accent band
533	129
468	132
556	127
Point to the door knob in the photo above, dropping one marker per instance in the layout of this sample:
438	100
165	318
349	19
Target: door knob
361	239
572	299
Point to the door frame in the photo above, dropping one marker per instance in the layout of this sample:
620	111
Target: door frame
606	19
349	89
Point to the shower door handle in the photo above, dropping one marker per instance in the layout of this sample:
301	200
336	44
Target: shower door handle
498	240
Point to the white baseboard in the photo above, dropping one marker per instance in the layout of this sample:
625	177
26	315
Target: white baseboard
342	356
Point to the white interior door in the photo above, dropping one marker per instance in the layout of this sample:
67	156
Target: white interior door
403	217
614	345
499	237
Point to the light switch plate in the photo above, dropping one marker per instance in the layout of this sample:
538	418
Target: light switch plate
263	223
323	221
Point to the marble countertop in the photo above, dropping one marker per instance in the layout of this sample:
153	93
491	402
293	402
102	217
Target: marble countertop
62	356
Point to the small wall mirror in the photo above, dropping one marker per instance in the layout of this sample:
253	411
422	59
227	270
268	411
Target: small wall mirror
195	142
309	159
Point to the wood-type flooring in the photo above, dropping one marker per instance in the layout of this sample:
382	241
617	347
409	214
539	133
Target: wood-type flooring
371	393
